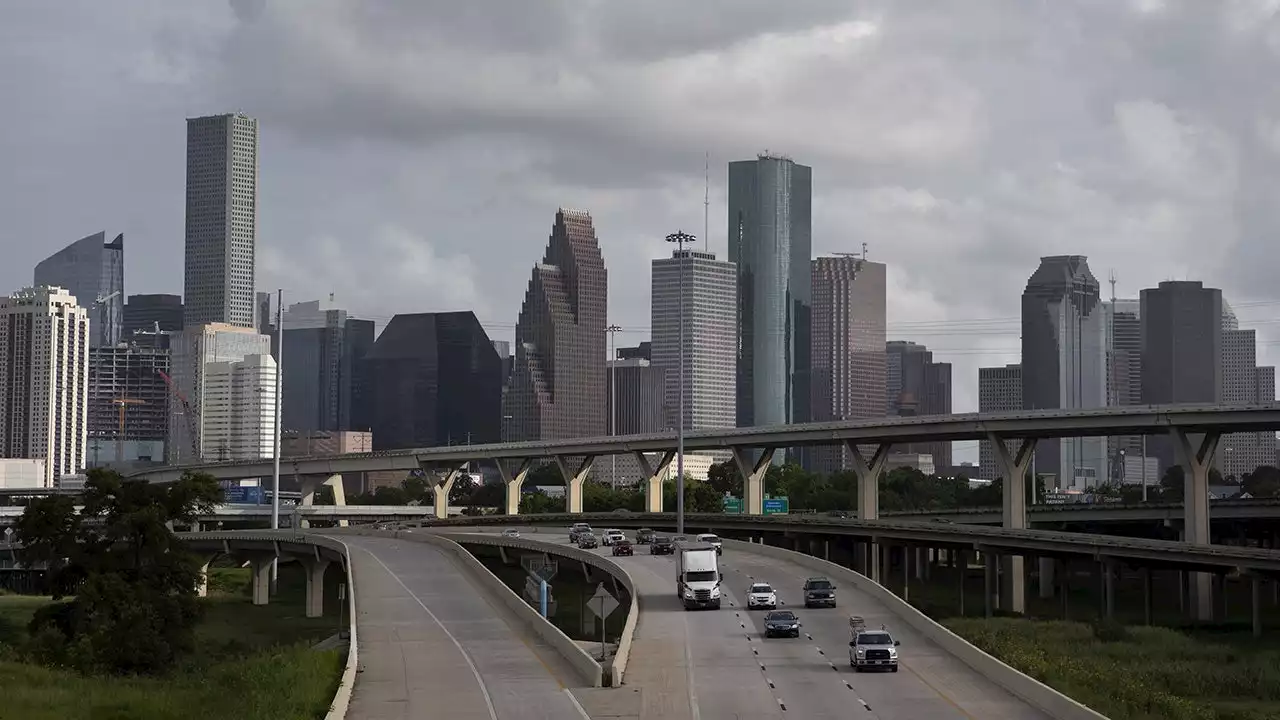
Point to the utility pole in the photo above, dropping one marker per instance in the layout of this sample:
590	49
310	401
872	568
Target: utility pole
680	238
275	473
613	331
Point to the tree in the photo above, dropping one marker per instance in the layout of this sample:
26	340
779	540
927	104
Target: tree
724	478
1263	482
131	580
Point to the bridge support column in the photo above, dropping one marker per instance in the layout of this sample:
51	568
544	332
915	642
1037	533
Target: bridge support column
868	474
1196	457
202	585
1046	577
441	486
752	478
310	483
1012	467
260	578
573	481
514	482
315	568
653	478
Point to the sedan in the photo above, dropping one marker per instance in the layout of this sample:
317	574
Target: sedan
781	623
761	595
623	547
511	533
588	541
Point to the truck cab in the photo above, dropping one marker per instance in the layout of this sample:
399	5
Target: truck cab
698	576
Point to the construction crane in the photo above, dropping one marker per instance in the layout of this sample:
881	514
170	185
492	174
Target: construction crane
123	403
186	411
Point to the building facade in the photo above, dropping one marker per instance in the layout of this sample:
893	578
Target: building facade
999	390
640	389
710	287
239	411
1243	383
191	353
432	379
1064	364
91	270
222	220
558	387
1124	382
916	385
44	380
322	347
770	244
128	404
145	315
848	347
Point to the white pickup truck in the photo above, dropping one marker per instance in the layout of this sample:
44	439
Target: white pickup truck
698	576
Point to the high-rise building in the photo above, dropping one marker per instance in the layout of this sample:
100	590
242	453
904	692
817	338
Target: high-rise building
1182	345
128	404
640	389
149	314
191	353
848	350
558	377
44	380
644	351
322	346
710	338
239	412
432	379
1064	364
1243	383
999	390
92	270
1124	380
916	385
770	242
222	220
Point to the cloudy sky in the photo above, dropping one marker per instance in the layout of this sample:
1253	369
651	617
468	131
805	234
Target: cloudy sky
412	159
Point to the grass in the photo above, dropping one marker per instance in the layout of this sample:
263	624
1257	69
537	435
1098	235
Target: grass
1141	673
252	663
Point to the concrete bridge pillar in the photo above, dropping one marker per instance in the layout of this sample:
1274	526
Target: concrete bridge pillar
308	484
202	585
1195	454
260	575
752	478
514	482
1046	577
868	474
653	478
573	480
1012	467
315	568
441	486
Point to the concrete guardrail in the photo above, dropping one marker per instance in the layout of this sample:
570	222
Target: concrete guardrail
342	698
1030	690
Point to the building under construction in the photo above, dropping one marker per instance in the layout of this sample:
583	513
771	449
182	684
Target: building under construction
128	404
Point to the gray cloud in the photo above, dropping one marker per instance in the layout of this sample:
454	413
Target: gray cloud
413	154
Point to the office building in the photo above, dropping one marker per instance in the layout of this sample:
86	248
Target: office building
92	271
640	389
222	220
770	243
322	346
44	380
644	351
191	353
145	315
1064	364
432	379
710	334
128	404
1182	346
1243	383
999	390
1124	382
558	385
916	385
239	411
848	347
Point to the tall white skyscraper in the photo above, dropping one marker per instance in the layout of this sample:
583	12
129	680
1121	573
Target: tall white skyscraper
222	220
710	337
239	414
194	352
44	379
1243	383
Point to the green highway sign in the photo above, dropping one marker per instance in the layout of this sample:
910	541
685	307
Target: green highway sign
777	506
732	505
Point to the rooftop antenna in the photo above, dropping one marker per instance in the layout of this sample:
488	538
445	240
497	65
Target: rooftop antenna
1112	279
706	200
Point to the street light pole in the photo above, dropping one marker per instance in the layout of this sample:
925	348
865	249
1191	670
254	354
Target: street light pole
613	393
680	238
275	472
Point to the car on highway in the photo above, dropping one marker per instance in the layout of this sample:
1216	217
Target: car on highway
587	541
762	595
662	545
680	539
578	529
873	649
644	536
819	592
511	533
611	536
714	540
623	547
781	623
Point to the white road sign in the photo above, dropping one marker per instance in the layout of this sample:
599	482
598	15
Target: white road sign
602	604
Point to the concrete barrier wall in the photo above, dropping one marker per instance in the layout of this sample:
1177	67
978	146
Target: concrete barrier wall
1030	690
342	698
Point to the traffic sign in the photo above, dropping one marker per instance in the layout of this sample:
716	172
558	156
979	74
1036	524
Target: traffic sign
777	506
538	566
732	505
602	604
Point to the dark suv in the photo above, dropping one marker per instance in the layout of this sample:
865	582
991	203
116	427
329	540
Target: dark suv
819	592
661	545
644	536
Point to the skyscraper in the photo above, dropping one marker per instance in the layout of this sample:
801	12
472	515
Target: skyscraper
1243	383
916	385
131	375
193	351
999	390
1064	363
710	333
239	408
91	270
1124	381
44	379
848	346
1182	347
558	385
321	348
222	220
770	242
640	389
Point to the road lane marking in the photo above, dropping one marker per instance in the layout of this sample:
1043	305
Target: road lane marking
688	672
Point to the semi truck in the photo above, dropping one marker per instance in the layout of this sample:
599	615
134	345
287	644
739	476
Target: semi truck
698	575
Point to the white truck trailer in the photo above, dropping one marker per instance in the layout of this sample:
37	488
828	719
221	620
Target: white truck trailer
698	575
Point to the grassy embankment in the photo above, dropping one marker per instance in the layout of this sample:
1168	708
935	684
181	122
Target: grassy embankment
252	663
1124	670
